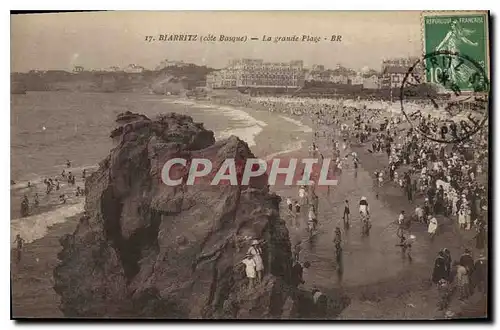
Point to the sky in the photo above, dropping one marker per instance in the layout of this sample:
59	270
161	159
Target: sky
103	39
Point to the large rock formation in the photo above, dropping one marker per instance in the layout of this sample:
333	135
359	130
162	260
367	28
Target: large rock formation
151	250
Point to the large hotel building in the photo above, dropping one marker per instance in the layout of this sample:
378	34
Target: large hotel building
255	73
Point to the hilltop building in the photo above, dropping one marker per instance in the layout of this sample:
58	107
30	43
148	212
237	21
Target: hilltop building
133	68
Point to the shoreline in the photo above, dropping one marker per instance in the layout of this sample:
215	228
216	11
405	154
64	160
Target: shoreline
393	298
369	301
32	293
32	280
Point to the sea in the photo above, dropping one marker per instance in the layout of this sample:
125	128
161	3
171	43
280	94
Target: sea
50	128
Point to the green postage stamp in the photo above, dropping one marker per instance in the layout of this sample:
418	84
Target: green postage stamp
456	48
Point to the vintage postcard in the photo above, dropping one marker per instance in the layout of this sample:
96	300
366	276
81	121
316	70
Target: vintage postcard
250	165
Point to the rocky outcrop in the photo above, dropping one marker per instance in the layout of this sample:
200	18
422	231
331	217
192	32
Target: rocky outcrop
151	250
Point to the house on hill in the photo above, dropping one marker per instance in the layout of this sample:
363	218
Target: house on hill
132	68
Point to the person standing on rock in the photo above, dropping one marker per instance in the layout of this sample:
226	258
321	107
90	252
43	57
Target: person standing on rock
302	195
250	270
256	252
289	203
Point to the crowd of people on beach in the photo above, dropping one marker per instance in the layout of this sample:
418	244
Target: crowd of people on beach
449	177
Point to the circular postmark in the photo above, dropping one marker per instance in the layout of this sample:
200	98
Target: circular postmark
445	96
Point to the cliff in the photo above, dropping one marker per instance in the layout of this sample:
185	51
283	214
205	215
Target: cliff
151	250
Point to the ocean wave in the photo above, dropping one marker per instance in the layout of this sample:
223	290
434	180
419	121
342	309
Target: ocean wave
301	126
249	126
34	227
240	115
178	101
247	134
291	147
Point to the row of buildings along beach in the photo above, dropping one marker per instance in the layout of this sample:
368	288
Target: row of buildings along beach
255	73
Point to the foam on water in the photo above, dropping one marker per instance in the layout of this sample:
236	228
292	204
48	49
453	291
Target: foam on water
301	126
248	129
34	227
184	102
291	147
246	134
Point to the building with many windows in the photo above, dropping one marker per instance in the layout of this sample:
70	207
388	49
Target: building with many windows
132	68
394	71
255	73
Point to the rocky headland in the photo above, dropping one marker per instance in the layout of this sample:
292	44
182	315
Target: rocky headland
149	250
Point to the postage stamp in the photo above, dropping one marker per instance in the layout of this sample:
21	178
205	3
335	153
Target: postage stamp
461	33
457	114
240	165
455	68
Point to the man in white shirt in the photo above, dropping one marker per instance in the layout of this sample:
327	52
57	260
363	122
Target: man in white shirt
419	212
250	270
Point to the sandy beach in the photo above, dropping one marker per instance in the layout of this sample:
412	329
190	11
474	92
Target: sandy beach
394	288
376	290
32	280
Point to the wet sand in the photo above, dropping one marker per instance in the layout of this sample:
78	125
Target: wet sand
32	282
380	283
32	293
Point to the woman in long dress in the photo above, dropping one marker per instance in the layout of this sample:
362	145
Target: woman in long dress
433	225
461	217
452	42
454	201
468	223
256	252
